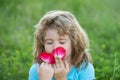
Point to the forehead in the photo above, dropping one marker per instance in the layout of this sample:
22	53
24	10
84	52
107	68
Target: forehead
53	33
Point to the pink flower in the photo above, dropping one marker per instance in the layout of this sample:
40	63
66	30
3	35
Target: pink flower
49	58
59	52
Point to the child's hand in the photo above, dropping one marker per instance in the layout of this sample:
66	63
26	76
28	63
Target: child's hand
60	69
45	71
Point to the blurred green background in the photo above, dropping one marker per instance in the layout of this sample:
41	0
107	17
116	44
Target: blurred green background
100	19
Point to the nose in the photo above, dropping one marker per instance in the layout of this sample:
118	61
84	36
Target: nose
56	44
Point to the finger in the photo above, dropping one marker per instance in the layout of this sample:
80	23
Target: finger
56	59
54	68
60	60
45	64
37	65
57	65
50	65
56	62
61	63
66	65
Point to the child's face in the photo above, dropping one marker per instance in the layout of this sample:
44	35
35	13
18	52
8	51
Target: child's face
54	40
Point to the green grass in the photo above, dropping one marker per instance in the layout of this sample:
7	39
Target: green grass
100	19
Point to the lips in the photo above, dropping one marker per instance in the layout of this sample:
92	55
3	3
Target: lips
49	57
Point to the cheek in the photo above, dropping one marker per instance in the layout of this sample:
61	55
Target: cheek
48	49
68	50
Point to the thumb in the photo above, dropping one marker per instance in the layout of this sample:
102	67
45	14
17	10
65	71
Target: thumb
67	66
37	65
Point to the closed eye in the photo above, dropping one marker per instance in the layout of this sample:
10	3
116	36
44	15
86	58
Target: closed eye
62	42
49	42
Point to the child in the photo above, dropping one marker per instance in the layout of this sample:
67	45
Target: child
61	29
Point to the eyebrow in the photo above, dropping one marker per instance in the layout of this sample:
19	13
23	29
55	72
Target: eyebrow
47	39
51	39
62	39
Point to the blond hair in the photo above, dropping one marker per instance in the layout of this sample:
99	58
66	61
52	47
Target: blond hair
65	23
